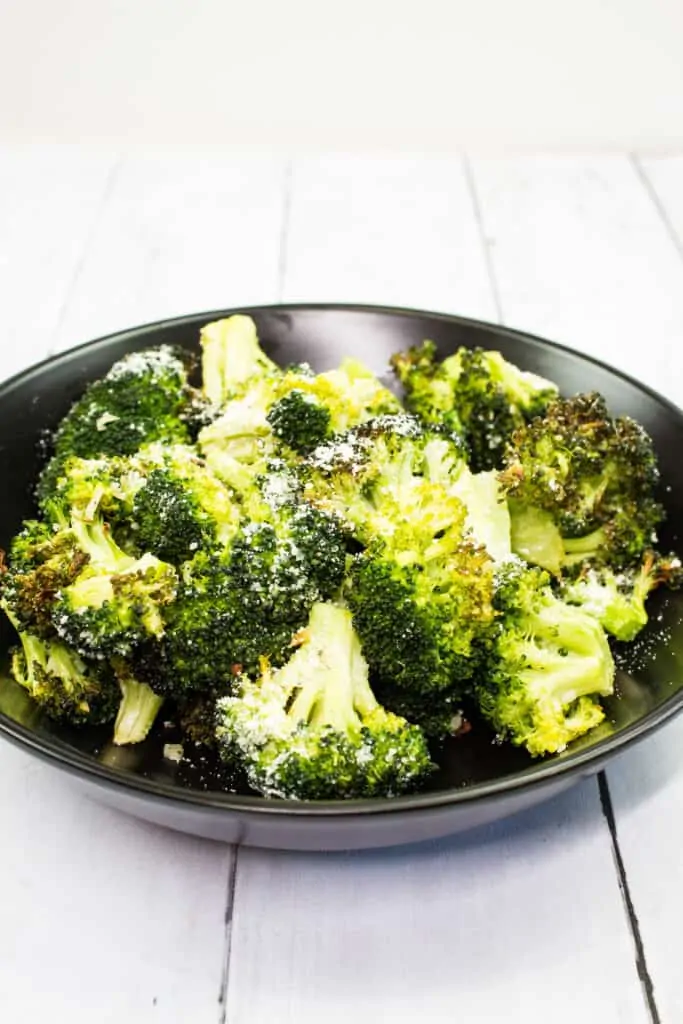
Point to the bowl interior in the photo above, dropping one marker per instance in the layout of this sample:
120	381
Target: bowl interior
650	676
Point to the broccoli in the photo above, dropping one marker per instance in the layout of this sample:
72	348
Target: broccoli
232	358
420	590
488	516
475	393
63	684
420	617
42	562
138	709
313	730
300	420
246	602
262	405
141	399
163	500
548	664
387	477
586	480
115	602
617	600
180	507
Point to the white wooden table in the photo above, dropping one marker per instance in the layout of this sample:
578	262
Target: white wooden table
570	912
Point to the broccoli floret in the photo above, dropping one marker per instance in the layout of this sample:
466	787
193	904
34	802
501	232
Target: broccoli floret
419	617
299	420
163	500
313	729
386	478
63	684
138	709
181	506
439	718
232	357
89	488
246	602
617	600
473	392
550	662
41	563
141	399
579	478
262	405
420	591
116	600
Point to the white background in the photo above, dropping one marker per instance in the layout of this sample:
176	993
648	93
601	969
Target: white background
403	74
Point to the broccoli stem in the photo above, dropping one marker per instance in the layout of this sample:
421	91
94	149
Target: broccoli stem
96	541
137	712
535	537
231	354
337	690
577	549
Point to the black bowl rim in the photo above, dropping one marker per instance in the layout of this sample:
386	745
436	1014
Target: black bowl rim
584	761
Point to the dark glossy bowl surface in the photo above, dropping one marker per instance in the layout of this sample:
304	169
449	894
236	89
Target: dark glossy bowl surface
479	779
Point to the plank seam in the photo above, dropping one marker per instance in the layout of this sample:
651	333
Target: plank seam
656	201
284	230
110	182
631	916
486	243
227	936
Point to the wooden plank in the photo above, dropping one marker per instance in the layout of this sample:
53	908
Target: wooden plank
496	925
104	918
581	257
182	232
395	231
662	179
582	253
50	197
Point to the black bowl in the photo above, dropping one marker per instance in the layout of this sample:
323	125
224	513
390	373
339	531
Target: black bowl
479	780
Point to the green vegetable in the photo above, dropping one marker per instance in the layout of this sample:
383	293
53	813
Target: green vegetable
313	729
580	478
474	392
617	600
549	663
142	398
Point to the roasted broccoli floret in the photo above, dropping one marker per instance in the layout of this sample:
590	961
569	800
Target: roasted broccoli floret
420	615
246	602
181	506
420	590
263	406
475	393
116	601
313	730
549	664
386	477
62	683
579	478
42	561
163	500
617	600
141	399
300	420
